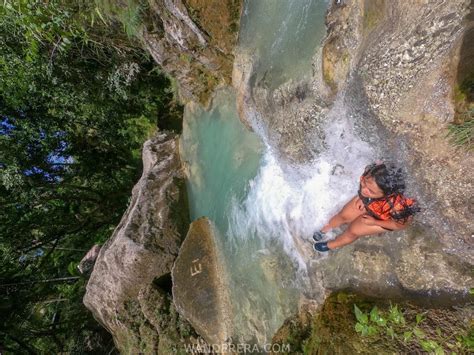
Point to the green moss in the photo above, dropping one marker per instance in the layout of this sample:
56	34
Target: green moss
370	19
235	7
373	13
459	95
349	324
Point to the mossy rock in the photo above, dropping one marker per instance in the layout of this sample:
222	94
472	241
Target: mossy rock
395	328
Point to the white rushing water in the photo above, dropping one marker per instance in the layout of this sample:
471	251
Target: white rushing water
284	202
235	179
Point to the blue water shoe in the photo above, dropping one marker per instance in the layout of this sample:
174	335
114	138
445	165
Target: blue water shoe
321	247
318	236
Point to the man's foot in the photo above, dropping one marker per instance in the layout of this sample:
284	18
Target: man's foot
318	236
321	247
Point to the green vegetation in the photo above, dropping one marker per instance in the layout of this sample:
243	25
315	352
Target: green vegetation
461	131
391	323
353	324
130	13
462	134
78	97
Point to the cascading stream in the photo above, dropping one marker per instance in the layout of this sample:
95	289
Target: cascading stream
237	181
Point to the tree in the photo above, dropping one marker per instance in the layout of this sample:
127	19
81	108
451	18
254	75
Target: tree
77	100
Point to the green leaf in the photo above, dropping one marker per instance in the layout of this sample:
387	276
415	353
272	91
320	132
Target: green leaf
365	331
438	331
419	318
471	291
425	345
72	268
431	345
359	327
395	315
371	330
407	336
390	332
360	316
418	333
376	318
374	314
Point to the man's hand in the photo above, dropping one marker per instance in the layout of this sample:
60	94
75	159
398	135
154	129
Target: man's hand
369	220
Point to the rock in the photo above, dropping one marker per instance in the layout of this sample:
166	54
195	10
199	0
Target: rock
404	264
241	73
193	41
289	116
433	272
365	268
200	287
87	263
141	251
344	36
398	88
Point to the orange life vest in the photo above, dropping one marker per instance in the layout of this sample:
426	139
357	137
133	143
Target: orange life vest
395	206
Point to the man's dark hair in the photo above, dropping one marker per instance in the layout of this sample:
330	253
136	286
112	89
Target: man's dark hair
388	177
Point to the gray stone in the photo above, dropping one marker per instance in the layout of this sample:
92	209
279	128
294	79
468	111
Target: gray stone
142	249
193	41
200	287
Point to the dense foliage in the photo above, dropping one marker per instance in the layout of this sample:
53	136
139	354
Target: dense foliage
77	100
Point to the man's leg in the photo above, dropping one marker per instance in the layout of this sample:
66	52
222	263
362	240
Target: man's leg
355	230
346	215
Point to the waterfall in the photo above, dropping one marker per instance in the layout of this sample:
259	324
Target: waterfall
260	204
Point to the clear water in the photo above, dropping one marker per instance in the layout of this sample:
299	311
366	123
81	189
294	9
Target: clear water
222	159
221	156
283	35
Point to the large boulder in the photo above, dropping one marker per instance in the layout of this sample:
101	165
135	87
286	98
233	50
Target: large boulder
129	290
200	287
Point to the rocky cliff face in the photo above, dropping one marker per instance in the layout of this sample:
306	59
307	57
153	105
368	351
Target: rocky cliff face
393	66
129	290
193	42
409	70
401	63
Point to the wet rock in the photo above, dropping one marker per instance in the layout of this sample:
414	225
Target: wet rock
432	272
401	78
141	250
405	264
288	116
344	36
200	288
369	270
241	75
